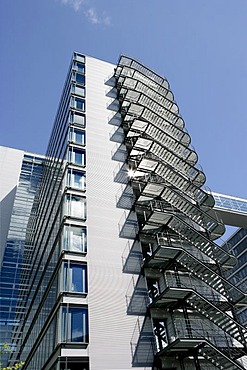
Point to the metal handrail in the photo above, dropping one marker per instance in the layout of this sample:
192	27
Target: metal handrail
238	293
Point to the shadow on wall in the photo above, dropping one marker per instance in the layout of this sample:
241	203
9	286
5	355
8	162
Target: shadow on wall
143	344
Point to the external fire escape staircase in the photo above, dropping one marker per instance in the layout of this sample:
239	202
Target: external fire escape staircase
169	217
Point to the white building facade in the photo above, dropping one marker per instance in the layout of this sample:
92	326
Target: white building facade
110	276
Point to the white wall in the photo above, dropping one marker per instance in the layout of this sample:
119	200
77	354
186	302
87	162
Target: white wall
110	328
10	167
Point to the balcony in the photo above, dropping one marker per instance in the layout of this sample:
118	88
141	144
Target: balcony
128	226
173	289
132	260
184	337
137	298
143	344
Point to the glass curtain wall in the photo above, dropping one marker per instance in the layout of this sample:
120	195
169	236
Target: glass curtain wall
58	261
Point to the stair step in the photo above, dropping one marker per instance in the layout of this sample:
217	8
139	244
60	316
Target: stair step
223	321
220	359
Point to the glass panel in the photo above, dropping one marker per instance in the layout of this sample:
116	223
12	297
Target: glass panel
79	90
78	207
78	118
76	179
80	67
79	180
79	278
76	334
74	277
80	78
79	104
74	324
75	239
65	277
75	206
80	58
64	326
77	156
77	136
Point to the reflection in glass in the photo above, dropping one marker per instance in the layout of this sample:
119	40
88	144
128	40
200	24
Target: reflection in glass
80	78
75	206
74	324
78	90
76	179
75	239
77	136
75	277
79	103
77	118
77	156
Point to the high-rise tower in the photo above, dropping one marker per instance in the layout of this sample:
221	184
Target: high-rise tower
72	315
105	289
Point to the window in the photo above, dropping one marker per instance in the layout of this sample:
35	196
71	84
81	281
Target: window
78	118
76	179
79	57
74	324
77	156
78	103
75	206
80	67
78	90
75	277
80	78
75	239
77	136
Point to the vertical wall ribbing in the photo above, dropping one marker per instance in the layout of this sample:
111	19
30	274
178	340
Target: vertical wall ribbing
110	327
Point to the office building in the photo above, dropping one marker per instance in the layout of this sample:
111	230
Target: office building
238	275
20	175
117	265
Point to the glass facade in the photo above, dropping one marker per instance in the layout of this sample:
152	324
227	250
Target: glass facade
238	275
53	246
13	260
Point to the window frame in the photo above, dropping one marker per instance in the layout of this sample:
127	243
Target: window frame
69	276
67	325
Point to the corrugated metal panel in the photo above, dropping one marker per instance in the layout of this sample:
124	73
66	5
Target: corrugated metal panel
111	328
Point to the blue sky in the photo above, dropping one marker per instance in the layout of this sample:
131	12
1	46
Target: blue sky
199	45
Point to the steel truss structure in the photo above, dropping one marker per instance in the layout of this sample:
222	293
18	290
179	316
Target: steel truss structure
185	306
